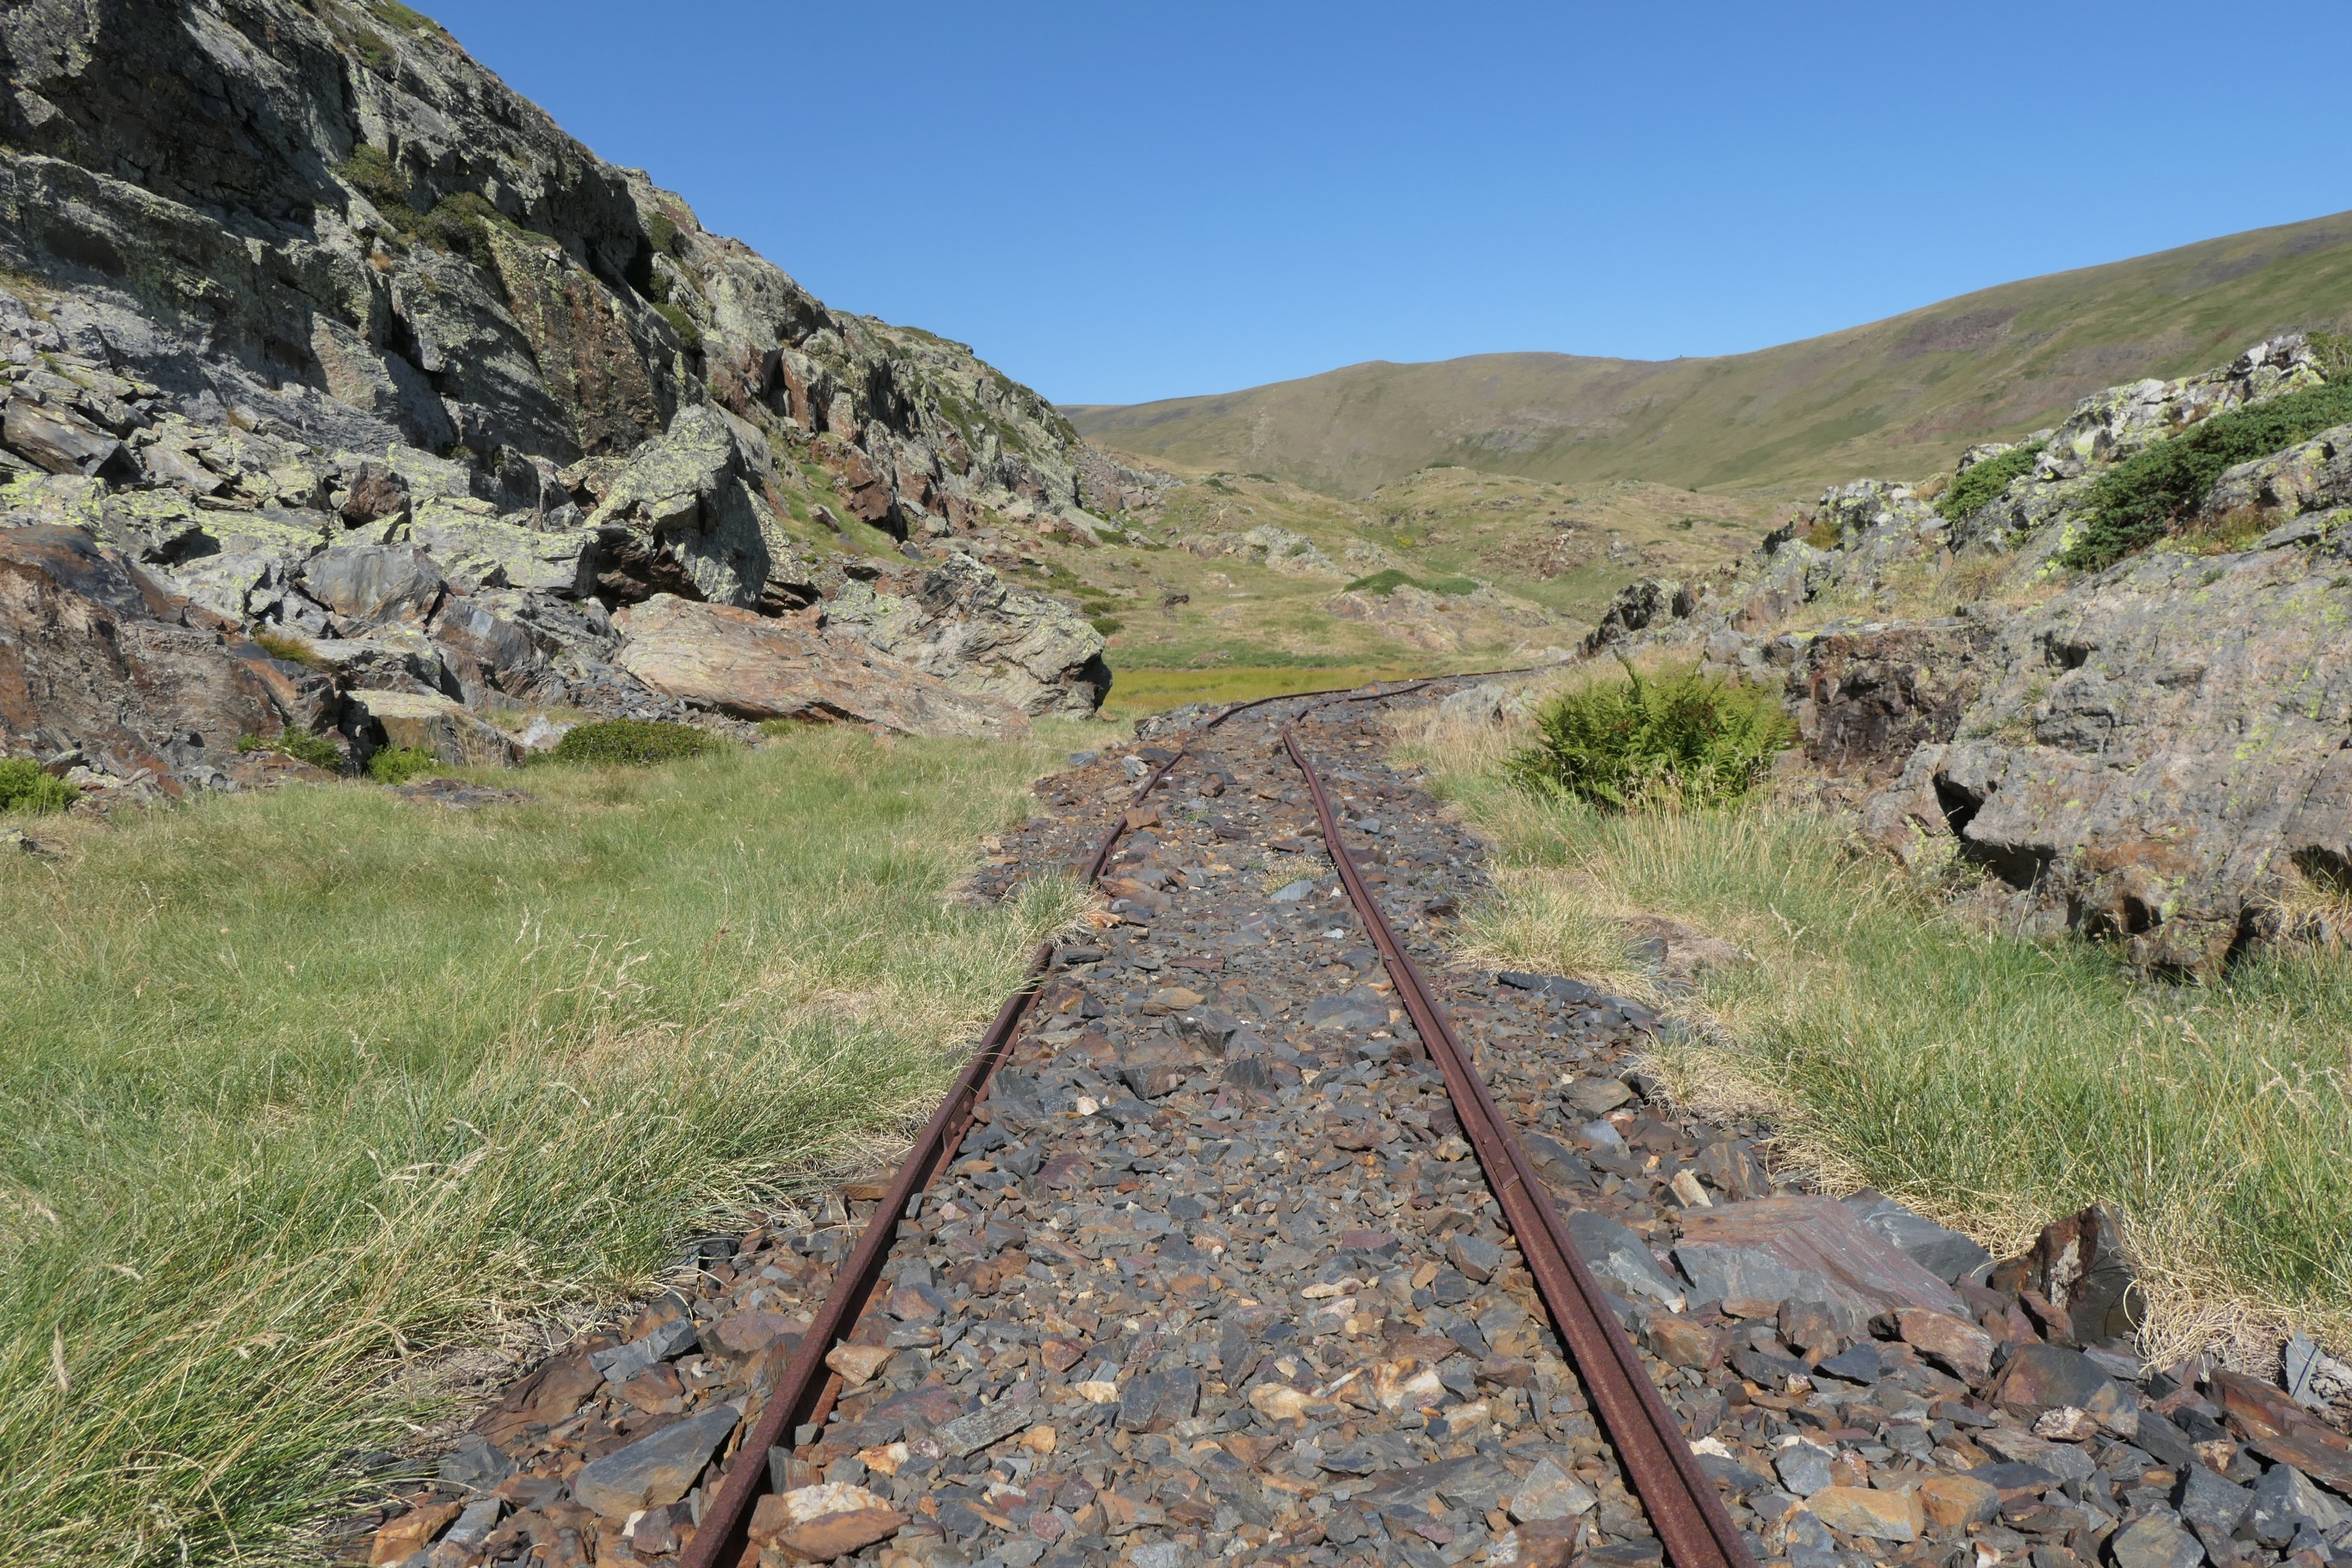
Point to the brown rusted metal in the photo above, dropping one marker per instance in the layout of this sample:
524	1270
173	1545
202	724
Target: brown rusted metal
1682	1502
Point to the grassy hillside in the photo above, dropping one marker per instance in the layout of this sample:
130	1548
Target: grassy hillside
1446	569
1898	397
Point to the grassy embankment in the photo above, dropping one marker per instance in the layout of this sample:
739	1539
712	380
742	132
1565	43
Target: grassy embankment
312	1087
1989	1081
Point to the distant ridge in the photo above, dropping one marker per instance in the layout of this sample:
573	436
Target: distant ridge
1898	396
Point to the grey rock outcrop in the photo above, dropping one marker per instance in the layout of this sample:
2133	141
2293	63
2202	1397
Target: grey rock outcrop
117	683
336	337
2145	755
960	623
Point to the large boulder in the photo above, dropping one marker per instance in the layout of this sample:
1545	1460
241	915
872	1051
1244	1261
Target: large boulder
2151	751
365	585
684	517
95	656
431	723
738	662
962	624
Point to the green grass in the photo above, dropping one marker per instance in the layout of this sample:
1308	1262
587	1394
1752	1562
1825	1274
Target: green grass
1676	733
1135	692
2163	486
1386	583
1991	1081
24	787
308	1086
300	744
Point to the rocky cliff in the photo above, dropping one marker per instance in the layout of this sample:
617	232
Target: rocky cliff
319	331
2154	752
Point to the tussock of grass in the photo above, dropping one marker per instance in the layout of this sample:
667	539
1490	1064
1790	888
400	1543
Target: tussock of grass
1989	1081
398	764
307	1086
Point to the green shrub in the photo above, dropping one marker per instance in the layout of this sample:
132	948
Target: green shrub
2155	490
631	742
662	233
1986	479
299	744
398	764
1383	584
1681	736
1105	625
25	787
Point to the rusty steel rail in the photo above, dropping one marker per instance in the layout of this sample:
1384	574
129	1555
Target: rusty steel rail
1681	1500
806	1391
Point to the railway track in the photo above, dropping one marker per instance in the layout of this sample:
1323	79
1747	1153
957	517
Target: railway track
1258	1231
1680	1501
1238	1242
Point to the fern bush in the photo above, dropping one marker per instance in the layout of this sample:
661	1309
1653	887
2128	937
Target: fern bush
1986	479
25	787
1679	737
2157	489
632	742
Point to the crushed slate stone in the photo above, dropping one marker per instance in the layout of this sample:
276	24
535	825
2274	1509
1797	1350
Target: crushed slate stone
1216	1276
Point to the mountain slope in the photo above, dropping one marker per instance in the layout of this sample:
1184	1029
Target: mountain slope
1899	395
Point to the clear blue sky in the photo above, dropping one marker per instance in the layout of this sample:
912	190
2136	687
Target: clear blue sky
1115	202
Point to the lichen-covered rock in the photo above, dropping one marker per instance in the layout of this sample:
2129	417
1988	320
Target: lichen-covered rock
97	657
2144	753
736	662
312	318
1866	699
428	723
2151	751
963	625
1280	550
2312	476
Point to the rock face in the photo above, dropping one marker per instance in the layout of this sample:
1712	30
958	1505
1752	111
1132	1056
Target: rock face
962	625
335	336
108	676
733	660
2143	754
